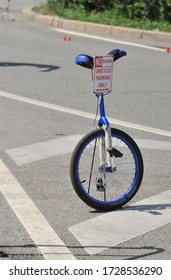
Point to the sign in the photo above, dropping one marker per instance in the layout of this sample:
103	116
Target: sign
102	78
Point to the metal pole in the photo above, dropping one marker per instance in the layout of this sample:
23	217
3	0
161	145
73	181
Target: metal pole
7	13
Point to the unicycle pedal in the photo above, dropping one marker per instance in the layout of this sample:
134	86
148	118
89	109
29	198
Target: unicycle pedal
114	152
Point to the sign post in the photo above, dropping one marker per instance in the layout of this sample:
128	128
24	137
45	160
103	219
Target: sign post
102	78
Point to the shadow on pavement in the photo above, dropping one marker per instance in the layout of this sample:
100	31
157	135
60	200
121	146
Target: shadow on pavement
44	67
125	253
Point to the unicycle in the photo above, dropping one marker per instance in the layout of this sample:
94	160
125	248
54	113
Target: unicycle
106	166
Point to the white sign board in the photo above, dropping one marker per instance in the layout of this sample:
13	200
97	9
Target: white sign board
102	78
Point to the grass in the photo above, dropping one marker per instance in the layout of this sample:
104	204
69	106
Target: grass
107	17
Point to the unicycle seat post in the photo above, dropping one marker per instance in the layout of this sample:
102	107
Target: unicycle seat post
103	122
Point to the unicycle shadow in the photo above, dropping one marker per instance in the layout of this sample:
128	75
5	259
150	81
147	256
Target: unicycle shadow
150	208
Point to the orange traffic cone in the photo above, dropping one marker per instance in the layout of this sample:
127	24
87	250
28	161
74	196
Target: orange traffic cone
168	50
66	38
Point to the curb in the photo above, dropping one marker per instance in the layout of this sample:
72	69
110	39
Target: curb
96	28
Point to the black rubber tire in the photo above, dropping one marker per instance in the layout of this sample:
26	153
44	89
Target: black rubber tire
134	154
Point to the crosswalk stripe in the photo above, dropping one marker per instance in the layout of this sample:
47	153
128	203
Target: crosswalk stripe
63	145
44	237
43	150
153	144
111	229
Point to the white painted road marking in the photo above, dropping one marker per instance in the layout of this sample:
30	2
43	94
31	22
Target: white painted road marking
154	144
43	150
111	229
63	145
109	40
45	238
83	114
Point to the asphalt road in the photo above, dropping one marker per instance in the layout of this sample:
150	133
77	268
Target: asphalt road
37	64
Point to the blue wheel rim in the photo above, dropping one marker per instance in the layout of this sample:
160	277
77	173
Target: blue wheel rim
132	186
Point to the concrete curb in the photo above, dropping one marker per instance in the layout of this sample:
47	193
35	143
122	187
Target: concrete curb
97	29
